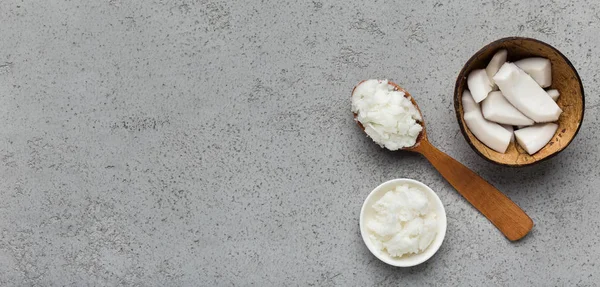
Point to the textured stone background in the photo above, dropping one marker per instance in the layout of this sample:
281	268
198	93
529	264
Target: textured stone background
211	143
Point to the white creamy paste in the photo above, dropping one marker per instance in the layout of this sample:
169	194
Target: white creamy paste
404	222
388	117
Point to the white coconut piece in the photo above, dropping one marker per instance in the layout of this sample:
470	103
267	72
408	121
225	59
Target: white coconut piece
494	65
540	69
491	134
497	109
525	94
535	137
511	129
553	93
468	103
479	84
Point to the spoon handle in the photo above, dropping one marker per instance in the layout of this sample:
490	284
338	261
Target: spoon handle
507	216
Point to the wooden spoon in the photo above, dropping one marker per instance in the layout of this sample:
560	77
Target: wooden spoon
507	216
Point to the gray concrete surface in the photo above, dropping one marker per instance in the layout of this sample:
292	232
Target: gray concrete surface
186	143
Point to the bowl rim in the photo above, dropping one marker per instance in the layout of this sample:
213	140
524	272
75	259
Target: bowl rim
461	75
434	246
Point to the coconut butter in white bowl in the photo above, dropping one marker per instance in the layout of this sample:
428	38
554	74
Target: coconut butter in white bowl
403	222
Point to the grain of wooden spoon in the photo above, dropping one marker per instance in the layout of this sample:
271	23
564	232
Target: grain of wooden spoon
507	216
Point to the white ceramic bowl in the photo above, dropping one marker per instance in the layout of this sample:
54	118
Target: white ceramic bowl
406	260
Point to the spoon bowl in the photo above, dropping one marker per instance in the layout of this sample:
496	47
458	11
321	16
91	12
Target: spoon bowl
508	217
422	135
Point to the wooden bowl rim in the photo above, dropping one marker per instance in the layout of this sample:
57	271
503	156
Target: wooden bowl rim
461	76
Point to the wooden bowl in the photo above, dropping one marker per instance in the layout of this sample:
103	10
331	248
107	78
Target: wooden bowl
564	78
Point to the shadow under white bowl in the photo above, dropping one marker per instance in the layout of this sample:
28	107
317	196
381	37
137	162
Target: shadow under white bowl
412	259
